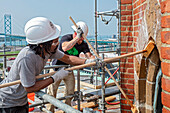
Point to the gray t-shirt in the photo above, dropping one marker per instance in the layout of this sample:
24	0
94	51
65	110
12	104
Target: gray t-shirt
26	67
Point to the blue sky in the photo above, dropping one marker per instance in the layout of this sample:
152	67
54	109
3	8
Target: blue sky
58	11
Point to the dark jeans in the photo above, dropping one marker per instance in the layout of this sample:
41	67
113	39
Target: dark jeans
17	109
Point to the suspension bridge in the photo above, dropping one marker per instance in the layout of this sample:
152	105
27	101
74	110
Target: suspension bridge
7	38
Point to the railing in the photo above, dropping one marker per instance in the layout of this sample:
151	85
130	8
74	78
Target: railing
12	40
105	45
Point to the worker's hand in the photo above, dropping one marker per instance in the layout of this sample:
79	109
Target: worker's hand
89	61
59	75
79	32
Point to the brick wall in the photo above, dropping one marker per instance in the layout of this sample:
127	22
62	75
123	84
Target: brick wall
165	54
135	15
140	19
126	65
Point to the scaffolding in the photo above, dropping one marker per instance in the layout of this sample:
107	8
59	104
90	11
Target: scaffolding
100	64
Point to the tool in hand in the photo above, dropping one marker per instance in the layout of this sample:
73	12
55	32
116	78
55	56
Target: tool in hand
146	52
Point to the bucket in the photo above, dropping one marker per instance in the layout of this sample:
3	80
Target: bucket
31	96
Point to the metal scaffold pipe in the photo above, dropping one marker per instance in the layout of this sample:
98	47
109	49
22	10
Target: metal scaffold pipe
109	13
57	103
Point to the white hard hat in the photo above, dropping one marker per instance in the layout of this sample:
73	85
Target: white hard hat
39	30
83	26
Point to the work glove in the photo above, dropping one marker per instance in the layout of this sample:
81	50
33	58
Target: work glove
59	75
98	62
79	32
89	61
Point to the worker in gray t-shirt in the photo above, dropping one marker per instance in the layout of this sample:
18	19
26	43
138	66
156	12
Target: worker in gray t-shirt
42	37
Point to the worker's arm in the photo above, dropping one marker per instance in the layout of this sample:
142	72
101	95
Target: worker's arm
59	75
27	72
89	55
70	44
73	60
39	85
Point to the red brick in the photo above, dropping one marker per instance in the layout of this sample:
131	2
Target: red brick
125	107
126	65
165	6
131	81
124	80
165	68
130	50
127	86
125	101
129	96
123	7
135	5
136	11
126	12
140	21
126	23
126	1
135	45
126	38
130	60
165	99
136	22
165	21
166	84
123	70
126	44
129	18
138	3
136	16
136	28
128	91
165	52
143	1
126	33
125	111
130	70
123	28
165	37
123	60
129	7
141	8
164	110
135	39
127	75
135	49
125	49
130	28
144	6
123	18
134	1
136	34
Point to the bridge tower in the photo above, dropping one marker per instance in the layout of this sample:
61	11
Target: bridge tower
7	29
